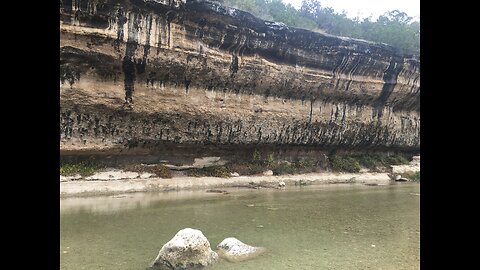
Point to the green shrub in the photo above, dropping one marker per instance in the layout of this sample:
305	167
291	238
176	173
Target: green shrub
284	168
344	164
159	170
301	164
269	160
415	177
82	168
214	171
375	161
256	156
395	160
246	168
296	167
370	161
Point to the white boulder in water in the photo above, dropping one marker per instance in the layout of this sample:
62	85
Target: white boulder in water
188	249
234	250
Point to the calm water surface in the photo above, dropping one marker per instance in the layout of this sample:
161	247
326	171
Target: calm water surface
314	227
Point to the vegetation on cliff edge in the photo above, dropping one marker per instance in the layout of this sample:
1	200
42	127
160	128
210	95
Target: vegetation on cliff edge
395	27
259	163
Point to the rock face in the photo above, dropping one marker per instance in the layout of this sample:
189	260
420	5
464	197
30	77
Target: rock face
235	250
188	249
138	73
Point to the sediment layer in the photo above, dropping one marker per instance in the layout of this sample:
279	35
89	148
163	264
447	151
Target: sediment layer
142	73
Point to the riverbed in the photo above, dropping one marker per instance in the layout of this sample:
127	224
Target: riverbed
342	226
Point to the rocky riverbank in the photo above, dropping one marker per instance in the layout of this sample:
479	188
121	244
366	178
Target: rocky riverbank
169	87
102	187
118	181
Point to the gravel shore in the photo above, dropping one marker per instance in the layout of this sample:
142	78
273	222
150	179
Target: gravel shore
107	187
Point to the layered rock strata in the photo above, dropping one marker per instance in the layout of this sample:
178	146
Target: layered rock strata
139	73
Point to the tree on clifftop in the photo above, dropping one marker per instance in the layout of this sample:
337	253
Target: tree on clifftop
395	27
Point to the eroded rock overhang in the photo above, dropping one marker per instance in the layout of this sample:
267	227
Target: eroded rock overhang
139	73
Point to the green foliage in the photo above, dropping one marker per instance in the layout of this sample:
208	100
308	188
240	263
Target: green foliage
273	10
338	163
261	165
344	164
256	156
82	168
395	28
376	161
302	164
284	168
159	170
296	167
371	162
214	171
414	177
269	160
396	160
246	168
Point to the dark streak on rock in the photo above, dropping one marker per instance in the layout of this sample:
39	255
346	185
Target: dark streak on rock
121	20
146	48
234	64
311	110
128	67
390	79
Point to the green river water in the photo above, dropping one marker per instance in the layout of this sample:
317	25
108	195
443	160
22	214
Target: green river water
313	227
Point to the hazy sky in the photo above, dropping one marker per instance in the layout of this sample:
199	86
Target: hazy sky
365	8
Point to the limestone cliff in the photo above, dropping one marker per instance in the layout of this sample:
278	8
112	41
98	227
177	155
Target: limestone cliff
146	72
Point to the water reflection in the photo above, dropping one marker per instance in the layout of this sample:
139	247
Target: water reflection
313	227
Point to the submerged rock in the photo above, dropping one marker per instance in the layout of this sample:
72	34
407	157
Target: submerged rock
234	250
188	249
399	178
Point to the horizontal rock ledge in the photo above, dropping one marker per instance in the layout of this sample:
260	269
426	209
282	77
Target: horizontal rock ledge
197	72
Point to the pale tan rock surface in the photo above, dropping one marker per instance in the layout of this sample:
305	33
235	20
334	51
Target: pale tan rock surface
194	72
188	249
